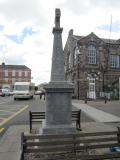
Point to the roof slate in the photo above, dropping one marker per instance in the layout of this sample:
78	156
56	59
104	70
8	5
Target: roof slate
14	67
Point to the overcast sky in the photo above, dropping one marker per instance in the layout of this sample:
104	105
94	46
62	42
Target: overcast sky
26	29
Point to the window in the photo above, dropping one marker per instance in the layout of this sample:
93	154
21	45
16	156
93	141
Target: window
115	61
21	87
76	56
6	79
26	73
20	73
6	73
92	88
13	80
13	73
91	54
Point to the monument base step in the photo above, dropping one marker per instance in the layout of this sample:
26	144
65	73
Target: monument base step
58	129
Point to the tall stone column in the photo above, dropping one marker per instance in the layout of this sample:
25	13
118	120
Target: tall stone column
58	91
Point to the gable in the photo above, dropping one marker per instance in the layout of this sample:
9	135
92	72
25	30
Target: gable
91	38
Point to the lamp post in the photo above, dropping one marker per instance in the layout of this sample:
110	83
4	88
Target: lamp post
77	53
103	69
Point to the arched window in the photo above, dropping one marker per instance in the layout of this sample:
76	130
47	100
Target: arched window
76	56
92	54
68	60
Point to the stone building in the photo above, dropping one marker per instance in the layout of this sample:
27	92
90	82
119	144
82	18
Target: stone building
92	64
13	73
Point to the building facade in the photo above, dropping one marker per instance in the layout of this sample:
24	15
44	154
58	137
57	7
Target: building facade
9	74
92	64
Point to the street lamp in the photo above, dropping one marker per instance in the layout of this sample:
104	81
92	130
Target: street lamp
103	71
77	54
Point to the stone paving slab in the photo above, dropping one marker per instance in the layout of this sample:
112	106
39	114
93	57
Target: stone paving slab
10	156
10	142
97	127
96	114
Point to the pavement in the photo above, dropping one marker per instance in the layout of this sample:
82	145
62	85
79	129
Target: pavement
10	142
96	114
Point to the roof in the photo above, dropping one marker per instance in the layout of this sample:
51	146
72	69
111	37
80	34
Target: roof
24	83
109	41
78	37
14	67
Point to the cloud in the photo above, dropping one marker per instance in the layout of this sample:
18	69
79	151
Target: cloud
16	60
1	27
22	10
106	4
88	6
79	7
114	27
19	38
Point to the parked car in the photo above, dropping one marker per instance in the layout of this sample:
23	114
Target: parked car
4	92
0	92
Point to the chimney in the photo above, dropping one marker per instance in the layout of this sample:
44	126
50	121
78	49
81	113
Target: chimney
3	65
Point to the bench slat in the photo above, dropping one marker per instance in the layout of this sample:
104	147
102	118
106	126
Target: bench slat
70	141
96	146
77	135
99	157
50	143
47	136
98	133
96	140
50	149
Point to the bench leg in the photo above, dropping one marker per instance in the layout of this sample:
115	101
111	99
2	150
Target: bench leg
30	121
78	126
22	157
30	128
22	146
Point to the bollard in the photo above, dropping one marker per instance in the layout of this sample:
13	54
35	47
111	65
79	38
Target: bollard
105	100
85	100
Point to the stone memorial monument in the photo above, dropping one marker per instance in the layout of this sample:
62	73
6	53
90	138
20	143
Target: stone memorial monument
58	90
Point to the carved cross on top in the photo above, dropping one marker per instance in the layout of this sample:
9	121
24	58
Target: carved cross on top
57	18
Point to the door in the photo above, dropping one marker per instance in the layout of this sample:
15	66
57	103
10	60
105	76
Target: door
91	92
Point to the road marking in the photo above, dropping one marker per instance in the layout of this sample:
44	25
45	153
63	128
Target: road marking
13	115
1	130
2	118
6	111
4	102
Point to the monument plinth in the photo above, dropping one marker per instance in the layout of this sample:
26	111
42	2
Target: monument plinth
58	90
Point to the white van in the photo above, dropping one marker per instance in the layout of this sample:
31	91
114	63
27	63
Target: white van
23	90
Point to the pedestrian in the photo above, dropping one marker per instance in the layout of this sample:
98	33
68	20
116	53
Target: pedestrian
44	95
105	99
40	95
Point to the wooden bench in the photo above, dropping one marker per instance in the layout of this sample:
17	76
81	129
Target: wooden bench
47	146
78	146
38	117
